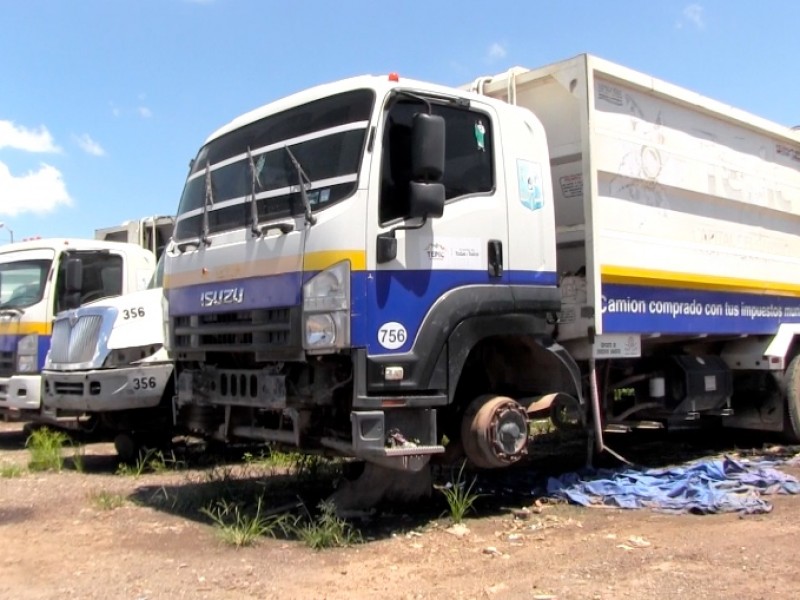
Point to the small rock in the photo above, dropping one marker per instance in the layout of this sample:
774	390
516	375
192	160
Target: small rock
458	530
493	589
638	542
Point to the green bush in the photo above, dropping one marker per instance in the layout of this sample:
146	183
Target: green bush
45	447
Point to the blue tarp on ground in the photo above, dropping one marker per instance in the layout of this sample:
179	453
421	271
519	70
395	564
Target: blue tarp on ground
703	487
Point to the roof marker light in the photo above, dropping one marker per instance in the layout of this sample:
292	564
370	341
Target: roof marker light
394	77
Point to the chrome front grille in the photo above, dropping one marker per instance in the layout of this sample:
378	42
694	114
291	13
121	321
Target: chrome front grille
76	341
261	331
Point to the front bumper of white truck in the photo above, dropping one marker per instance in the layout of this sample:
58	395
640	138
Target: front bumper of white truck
106	390
20	393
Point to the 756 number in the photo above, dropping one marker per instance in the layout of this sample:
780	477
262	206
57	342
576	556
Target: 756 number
392	335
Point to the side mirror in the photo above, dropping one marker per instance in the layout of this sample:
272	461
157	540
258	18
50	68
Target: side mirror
73	280
73	275
426	193
386	247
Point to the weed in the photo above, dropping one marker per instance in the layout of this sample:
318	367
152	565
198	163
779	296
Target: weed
45	447
78	455
238	528
541	427
8	471
107	501
326	530
460	497
150	461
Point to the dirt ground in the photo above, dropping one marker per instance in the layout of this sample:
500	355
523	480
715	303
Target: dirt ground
59	542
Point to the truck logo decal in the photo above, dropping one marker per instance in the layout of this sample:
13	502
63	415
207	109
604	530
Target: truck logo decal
436	251
218	297
529	178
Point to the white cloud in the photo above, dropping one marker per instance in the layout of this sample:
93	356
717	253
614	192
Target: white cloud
496	51
693	13
22	138
88	145
141	110
39	191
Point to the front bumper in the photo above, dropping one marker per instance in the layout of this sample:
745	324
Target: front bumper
20	392
106	390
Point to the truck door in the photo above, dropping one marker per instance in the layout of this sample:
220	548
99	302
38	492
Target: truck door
445	265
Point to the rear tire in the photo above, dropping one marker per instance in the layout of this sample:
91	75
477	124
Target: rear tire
791	419
127	447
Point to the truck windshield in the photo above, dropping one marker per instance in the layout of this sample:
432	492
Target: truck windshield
327	136
22	282
157	280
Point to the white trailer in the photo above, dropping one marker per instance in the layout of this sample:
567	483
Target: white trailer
677	224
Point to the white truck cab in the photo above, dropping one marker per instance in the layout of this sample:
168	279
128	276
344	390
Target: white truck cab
107	360
41	278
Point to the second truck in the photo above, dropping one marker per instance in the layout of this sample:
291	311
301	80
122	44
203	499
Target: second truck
376	266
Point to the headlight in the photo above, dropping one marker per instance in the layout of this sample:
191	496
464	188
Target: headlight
328	290
320	331
27	353
326	310
26	363
28	344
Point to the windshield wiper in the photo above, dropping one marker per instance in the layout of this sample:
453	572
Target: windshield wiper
256	229
11	310
208	199
303	181
254	179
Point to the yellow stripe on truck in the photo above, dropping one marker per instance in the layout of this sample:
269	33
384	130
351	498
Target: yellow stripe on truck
674	279
25	328
319	261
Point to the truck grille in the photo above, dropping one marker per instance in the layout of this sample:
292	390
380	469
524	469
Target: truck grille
262	330
75	342
6	364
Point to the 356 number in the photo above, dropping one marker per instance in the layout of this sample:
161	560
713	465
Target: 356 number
144	383
136	312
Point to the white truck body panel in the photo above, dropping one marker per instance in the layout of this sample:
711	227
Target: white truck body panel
684	212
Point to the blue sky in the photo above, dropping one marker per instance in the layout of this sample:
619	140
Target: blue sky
103	102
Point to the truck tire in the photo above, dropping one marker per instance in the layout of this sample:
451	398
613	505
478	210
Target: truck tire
791	420
494	431
127	447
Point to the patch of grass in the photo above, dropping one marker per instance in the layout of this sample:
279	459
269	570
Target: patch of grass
150	461
45	447
239	528
78	455
107	501
541	427
327	530
460	497
272	458
9	471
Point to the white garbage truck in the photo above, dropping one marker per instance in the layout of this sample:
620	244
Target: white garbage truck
40	278
108	367
378	265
